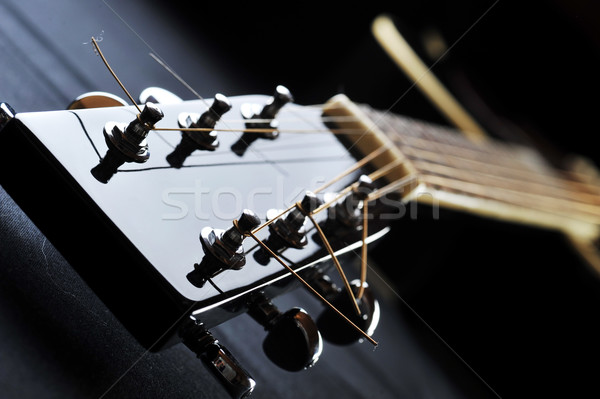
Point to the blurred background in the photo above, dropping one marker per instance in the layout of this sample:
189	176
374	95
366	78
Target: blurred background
517	304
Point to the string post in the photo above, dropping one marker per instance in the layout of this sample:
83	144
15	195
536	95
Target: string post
348	212
206	140
288	232
223	249
127	142
269	111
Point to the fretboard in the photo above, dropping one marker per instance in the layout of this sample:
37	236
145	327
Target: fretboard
489	177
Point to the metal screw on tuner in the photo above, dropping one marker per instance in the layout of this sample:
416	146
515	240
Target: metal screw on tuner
267	116
237	381
223	249
288	232
334	328
346	214
126	143
293	341
191	141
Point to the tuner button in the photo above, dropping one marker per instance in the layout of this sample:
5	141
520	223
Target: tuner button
248	221
159	95
273	105
223	249
289	231
207	140
237	381
336	330
293	341
126	143
281	97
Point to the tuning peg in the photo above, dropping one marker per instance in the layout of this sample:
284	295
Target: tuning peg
158	95
293	341
223	249
334	328
237	381
347	213
269	111
126	143
287	232
191	141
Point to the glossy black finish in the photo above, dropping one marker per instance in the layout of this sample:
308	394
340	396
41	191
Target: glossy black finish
148	245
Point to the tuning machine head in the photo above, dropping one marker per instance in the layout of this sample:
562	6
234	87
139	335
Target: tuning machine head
127	143
223	249
288	231
293	341
266	116
199	140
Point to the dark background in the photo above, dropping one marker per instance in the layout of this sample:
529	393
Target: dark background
516	303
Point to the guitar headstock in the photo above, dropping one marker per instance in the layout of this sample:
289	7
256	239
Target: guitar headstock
178	230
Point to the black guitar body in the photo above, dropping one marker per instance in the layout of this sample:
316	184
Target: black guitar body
76	322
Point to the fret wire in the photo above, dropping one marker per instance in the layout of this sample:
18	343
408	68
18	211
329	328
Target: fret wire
513	197
460	152
501	181
556	181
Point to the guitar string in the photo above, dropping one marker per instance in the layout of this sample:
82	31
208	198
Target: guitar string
110	69
194	92
310	288
99	52
334	258
363	253
566	192
298	205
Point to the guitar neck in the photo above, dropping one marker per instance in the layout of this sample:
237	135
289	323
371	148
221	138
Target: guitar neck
488	178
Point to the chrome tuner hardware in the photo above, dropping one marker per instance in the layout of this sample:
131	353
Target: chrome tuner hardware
237	381
293	341
6	114
346	215
126	143
191	141
266	115
334	328
288	232
223	249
